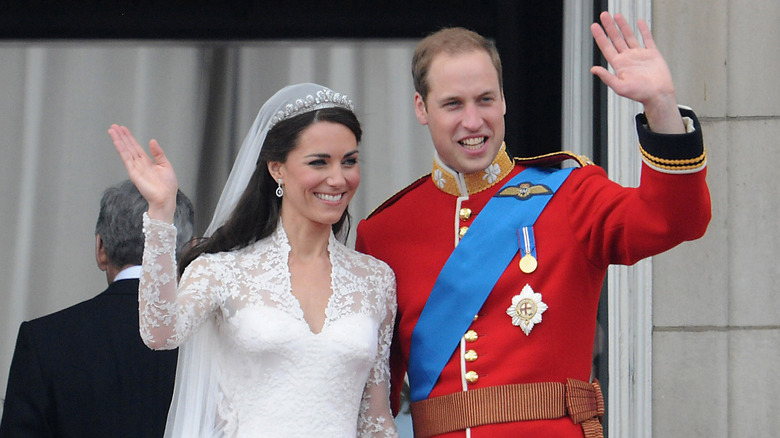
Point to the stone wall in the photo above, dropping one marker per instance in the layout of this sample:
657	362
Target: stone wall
716	301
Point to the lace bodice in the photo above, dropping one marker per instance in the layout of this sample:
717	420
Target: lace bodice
275	377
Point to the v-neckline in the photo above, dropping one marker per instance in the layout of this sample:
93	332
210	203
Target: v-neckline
296	303
302	314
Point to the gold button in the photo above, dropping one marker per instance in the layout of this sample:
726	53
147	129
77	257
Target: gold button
471	336
476	317
472	377
470	356
465	214
462	231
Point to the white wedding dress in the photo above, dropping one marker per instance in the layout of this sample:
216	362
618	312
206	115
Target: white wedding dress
249	364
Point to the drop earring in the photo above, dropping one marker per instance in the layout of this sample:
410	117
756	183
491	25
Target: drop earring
279	189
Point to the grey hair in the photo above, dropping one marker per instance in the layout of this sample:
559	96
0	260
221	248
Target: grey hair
120	223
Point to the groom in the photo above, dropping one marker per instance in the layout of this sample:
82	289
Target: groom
499	262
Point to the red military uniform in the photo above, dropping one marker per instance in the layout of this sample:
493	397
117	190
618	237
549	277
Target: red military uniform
588	224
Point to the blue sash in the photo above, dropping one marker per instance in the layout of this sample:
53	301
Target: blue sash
471	271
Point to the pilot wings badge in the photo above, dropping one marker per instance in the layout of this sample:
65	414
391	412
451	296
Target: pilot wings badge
524	191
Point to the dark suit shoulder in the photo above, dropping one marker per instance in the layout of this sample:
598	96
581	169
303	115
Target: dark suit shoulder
71	320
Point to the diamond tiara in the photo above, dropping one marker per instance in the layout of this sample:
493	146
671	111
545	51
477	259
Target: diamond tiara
325	98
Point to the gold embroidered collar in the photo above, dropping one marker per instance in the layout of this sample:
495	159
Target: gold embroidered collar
458	184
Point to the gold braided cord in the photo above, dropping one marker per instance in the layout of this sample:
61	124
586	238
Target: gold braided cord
582	160
676	168
689	163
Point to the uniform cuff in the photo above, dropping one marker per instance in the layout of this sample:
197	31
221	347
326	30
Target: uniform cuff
673	153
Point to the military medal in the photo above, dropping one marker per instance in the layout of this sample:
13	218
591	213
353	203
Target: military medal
528	262
526	309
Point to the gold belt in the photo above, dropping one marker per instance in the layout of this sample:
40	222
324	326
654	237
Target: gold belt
579	400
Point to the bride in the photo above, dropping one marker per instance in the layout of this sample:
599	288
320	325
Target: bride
284	331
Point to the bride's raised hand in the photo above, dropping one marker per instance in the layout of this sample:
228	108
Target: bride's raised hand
153	176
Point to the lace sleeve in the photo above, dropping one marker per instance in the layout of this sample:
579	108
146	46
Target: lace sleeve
167	314
376	419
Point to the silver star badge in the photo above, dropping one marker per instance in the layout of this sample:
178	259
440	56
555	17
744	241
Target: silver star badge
526	309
